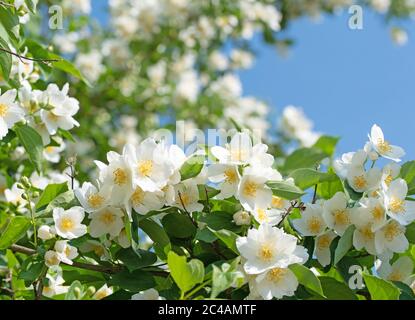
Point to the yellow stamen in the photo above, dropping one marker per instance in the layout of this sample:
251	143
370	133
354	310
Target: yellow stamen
230	176
95	200
265	253
3	110
314	225
388	180
392	230
360	182
397	205
107	217
120	177
341	217
66	224
138	196
250	188
395	276
277	202
367	233
276	275
145	167
323	242
262	215
384	146
378	213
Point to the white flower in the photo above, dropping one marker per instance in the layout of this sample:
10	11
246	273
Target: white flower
389	173
252	192
14	196
391	237
51	258
45	233
267	248
399	36
61	109
341	166
151	168
10	112
90	64
226	176
68	223
54	286
187	196
363	181
364	235
117	176
91	198
372	211
96	247
144	201
218	61
401	270
322	247
276	283
383	147
336	214
150	294
52	153
397	207
270	216
242	218
103	292
311	222
108	220
66	253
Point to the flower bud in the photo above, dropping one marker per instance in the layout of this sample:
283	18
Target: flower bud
77	292
90	291
25	197
19	186
25	182
44	233
373	156
36	194
242	218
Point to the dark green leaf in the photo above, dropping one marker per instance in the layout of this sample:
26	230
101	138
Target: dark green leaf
50	193
15	229
32	142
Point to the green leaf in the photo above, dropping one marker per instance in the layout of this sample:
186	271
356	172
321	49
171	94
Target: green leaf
135	281
31	5
228	238
5	60
307	278
14	231
192	167
285	190
224	277
408	174
50	193
219	220
71	295
410	232
178	225
328	189
10	22
136	259
67	67
380	289
32	142
31	270
335	290
303	158
155	232
306	177
185	274
327	144
344	245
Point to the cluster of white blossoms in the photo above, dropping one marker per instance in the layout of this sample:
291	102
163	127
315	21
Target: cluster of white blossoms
379	215
295	125
46	111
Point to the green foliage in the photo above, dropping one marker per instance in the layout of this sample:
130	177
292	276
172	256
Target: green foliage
381	289
13	230
32	142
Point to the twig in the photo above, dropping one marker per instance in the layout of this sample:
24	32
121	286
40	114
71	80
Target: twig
294	205
185	210
2	3
315	194
45	61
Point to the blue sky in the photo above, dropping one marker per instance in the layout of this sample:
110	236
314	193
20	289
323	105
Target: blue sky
345	80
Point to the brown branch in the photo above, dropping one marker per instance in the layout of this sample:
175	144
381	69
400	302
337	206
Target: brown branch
45	61
185	210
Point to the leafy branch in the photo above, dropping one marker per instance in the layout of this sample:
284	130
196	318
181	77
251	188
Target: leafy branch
41	60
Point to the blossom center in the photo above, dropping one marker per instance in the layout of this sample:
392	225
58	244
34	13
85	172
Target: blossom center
138	196
107	217
360	182
392	230
323	242
276	275
397	205
120	177
230	176
314	225
3	110
388	180
250	188
95	200
277	202
367	233
262	215
384	146
341	217
378	213
66	224
265	253
145	167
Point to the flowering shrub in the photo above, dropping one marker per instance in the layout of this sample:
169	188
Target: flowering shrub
239	216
